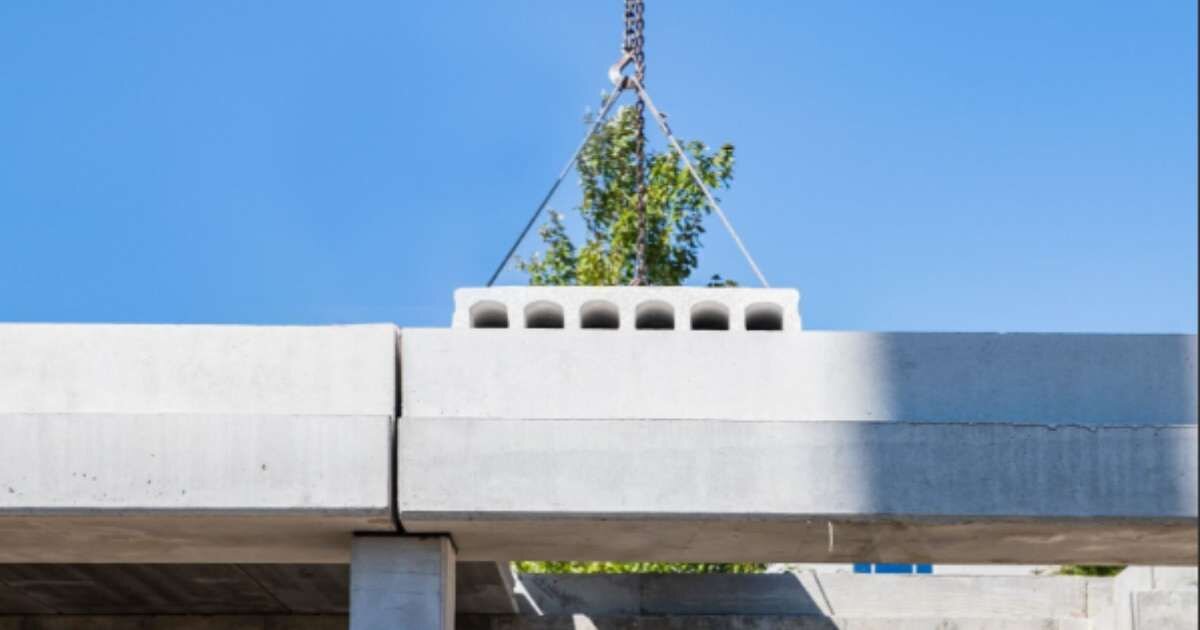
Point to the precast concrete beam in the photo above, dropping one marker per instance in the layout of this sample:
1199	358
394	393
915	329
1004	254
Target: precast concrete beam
707	491
801	376
712	445
194	443
197	369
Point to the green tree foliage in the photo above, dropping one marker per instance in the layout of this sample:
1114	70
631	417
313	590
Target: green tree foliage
1091	570
639	567
675	212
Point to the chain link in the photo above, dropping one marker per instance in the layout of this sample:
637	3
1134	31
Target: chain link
634	42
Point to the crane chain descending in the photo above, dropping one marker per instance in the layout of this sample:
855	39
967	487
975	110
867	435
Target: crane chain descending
635	24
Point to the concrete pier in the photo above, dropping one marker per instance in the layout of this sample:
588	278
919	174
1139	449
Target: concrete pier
402	583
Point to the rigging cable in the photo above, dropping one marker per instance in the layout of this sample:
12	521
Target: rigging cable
634	54
607	105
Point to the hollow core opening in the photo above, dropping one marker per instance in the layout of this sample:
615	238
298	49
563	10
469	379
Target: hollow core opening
599	314
543	314
655	315
489	314
764	316
710	316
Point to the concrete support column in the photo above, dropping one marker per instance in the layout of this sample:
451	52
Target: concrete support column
402	583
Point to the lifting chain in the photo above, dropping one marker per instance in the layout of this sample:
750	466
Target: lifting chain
635	24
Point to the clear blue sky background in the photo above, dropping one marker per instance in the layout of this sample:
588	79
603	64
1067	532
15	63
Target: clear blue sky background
923	165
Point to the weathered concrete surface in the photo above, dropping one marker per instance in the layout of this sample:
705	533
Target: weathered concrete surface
191	488
1166	610
86	464
888	539
704	490
1154	598
823	376
573	308
208	588
193	443
402	582
182	537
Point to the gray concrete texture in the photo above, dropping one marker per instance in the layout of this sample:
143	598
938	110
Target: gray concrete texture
703	490
274	444
226	589
198	369
402	583
194	443
906	377
1155	598
807	446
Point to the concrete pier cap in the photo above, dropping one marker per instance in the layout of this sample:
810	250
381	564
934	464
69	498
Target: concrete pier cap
628	308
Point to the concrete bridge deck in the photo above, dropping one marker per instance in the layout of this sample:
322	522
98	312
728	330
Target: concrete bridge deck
236	444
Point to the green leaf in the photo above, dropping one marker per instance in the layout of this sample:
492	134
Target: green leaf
608	181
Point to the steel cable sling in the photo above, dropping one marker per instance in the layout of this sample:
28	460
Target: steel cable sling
634	54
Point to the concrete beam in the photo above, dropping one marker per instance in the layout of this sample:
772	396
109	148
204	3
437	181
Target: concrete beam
194	443
197	369
704	490
823	376
805	446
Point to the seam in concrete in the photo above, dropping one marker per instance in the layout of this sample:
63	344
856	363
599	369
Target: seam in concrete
849	517
394	451
1049	426
394	477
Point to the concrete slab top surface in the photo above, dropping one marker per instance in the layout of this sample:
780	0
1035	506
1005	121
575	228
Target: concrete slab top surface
124	368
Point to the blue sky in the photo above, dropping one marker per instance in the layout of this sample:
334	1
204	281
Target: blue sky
1014	166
